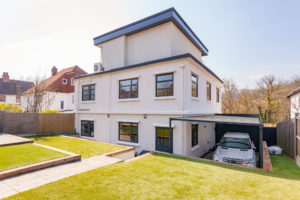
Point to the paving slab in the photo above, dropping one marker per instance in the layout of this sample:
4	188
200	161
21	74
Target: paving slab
14	185
8	139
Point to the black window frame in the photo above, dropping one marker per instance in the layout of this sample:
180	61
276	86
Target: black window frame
131	86
91	128
62	105
208	91
217	95
89	92
195	136
156	83
131	134
193	82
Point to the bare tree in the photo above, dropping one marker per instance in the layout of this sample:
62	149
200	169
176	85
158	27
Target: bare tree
229	99
37	98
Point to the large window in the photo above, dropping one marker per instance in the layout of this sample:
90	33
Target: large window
194	86
128	132
162	135
164	85
194	134
128	88
217	95
88	93
208	91
87	128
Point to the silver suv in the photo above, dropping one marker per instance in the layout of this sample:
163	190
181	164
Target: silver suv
236	148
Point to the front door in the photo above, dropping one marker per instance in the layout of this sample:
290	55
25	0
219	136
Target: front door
162	139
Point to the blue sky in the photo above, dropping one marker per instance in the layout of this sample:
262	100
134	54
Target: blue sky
246	39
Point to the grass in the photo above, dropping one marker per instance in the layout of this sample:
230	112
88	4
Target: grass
161	176
285	167
85	148
25	154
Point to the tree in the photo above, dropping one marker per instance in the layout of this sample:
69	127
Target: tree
229	99
37	98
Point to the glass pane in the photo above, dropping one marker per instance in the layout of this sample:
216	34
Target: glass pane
164	77
194	93
85	87
85	92
92	87
163	85
194	79
125	138
134	81
125	92
125	83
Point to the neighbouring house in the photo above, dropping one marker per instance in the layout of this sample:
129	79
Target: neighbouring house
57	91
11	90
152	70
294	97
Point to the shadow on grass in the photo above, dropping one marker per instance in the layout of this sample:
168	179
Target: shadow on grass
45	136
286	170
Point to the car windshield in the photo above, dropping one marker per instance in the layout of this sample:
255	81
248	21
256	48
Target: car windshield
239	143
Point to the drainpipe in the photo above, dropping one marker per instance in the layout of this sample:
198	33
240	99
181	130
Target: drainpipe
181	106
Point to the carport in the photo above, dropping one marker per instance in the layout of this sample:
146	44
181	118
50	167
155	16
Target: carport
228	122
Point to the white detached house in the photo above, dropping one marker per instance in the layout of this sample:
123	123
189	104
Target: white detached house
152	71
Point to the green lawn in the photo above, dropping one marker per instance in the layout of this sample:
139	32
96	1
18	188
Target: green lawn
25	154
161	176
85	148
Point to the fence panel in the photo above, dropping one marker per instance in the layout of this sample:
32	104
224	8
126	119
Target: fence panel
286	137
56	122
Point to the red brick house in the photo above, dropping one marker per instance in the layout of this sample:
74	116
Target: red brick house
59	89
11	90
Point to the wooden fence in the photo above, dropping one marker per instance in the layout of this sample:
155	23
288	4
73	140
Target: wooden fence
36	123
288	137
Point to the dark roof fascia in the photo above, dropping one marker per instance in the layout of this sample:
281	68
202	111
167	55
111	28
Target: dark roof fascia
154	20
188	55
293	92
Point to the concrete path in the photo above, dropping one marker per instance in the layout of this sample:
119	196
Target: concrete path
35	179
7	139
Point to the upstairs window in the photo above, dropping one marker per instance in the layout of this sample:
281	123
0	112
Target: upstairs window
128	132
72	81
164	85
64	81
217	95
128	88
208	91
88	93
194	86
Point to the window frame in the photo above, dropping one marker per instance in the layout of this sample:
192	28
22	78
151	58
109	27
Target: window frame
90	93
208	94
193	141
217	95
156	83
89	128
131	86
131	134
62	105
64	79
72	81
197	85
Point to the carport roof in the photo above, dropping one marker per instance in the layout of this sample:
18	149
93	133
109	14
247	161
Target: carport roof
223	119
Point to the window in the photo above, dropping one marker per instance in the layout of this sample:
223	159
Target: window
72	81
88	93
64	81
217	95
18	99
162	136
128	132
164	85
62	105
208	91
194	134
128	88
2	98
87	128
73	99
194	86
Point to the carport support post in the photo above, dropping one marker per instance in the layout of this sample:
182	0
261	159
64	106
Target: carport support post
171	136
261	146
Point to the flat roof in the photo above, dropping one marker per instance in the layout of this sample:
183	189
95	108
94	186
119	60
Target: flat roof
149	22
222	119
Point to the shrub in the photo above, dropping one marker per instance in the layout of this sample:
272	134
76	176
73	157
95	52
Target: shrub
50	111
10	107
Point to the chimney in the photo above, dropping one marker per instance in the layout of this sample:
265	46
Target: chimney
5	76
54	71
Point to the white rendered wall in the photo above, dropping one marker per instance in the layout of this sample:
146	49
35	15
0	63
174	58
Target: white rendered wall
10	99
295	105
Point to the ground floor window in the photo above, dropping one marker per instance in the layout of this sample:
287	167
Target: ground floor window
194	134
128	132
163	136
87	128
